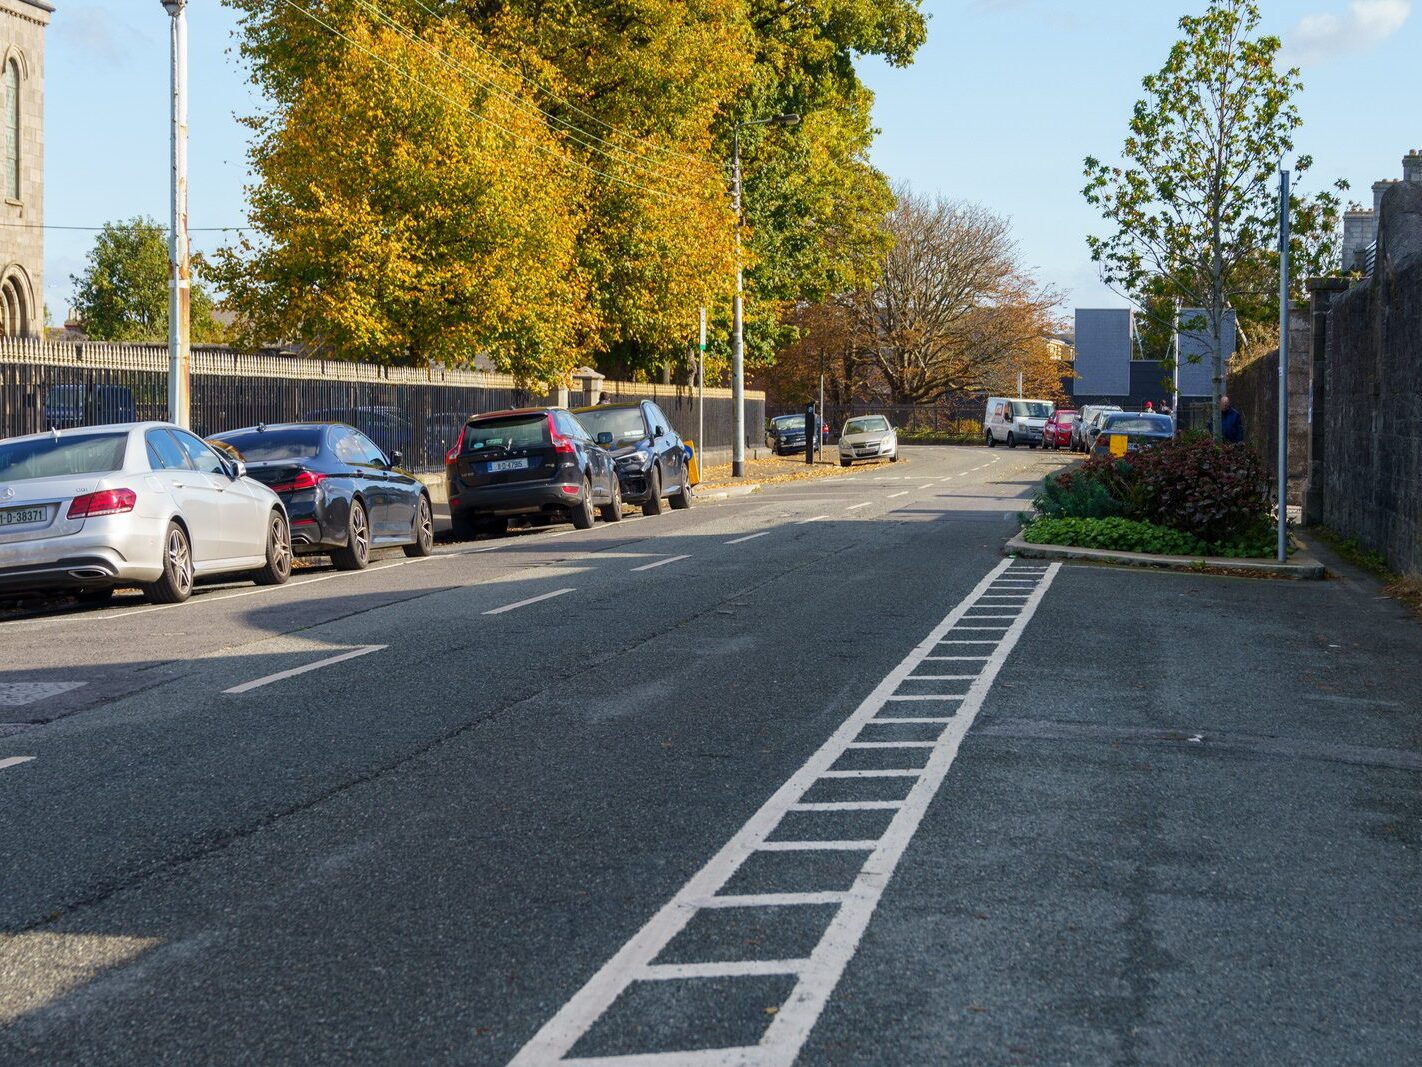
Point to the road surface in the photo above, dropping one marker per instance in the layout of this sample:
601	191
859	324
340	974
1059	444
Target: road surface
809	776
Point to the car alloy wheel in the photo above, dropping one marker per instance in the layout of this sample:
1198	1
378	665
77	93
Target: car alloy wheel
278	565
355	555
176	583
424	530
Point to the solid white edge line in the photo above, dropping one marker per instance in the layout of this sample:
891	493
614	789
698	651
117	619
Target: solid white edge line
525	603
661	563
14	761
257	683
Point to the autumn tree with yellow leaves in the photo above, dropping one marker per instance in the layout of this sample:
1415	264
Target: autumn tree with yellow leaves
544	181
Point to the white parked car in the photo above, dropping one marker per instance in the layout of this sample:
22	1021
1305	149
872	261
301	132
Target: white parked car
146	504
868	437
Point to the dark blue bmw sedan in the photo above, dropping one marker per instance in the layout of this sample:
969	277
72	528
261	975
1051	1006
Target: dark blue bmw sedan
344	495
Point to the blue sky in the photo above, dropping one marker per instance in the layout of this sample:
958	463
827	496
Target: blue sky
1004	101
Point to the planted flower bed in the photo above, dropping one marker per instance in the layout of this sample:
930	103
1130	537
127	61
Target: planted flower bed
1188	497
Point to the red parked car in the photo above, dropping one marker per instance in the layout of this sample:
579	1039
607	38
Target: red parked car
1057	433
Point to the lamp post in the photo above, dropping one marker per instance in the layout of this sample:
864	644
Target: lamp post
179	263
738	362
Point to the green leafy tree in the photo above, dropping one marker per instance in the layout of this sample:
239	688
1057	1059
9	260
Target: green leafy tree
123	293
1194	205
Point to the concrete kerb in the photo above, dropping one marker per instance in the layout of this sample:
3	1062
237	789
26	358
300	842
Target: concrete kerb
728	492
1300	566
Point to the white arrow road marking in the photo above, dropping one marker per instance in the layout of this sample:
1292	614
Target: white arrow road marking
257	683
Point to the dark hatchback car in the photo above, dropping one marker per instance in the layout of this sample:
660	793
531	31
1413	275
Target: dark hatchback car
786	434
650	456
1138	428
344	495
538	462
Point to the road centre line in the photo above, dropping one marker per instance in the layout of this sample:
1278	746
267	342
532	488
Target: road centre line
661	562
818	974
14	761
525	603
748	537
257	683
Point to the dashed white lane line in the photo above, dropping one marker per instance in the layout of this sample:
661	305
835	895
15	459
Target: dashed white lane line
747	537
928	486
812	518
818	973
893	496
662	562
525	603
856	507
257	683
14	761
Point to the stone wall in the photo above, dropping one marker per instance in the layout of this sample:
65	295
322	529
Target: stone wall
1372	464
1254	391
22	29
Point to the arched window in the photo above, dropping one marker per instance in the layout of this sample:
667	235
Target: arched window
12	130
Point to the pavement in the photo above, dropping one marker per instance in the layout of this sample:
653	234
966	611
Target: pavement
813	776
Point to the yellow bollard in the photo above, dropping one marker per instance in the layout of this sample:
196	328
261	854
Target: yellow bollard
693	465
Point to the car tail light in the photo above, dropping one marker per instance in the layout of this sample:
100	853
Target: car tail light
304	480
453	453
560	443
104	502
570	489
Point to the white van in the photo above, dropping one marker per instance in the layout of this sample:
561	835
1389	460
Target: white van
1015	422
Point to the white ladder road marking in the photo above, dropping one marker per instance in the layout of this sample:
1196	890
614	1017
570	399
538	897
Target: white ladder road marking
257	683
661	563
14	761
817	974
748	537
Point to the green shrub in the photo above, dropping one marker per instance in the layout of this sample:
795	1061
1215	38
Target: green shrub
1075	496
1115	534
1218	493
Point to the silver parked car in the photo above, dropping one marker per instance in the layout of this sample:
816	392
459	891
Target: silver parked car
146	504
868	437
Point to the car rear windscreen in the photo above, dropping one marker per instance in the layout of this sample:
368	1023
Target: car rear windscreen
874	424
257	446
1138	424
508	432
625	424
50	457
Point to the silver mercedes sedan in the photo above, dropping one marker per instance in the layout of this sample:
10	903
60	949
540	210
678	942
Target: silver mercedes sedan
147	504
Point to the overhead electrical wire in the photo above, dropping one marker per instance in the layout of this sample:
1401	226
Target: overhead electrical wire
583	138
560	157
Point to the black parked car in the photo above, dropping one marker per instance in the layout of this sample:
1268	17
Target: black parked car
650	457
538	462
344	495
786	434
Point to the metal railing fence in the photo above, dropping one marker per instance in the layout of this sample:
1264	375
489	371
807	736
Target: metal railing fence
48	385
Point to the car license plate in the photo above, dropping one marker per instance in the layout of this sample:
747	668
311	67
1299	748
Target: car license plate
507	465
22	516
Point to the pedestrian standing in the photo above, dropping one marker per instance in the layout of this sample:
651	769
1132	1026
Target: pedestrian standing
1231	422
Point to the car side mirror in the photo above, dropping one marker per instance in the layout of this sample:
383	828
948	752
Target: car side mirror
659	432
397	458
239	469
605	439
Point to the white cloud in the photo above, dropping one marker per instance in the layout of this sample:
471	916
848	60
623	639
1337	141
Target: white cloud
98	34
1328	35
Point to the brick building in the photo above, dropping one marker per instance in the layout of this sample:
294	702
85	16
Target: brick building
22	26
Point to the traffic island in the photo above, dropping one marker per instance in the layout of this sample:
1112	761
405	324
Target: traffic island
1300	565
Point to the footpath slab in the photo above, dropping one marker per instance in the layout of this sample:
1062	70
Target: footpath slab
1300	565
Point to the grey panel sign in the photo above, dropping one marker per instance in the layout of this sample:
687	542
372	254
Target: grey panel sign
1103	352
1196	345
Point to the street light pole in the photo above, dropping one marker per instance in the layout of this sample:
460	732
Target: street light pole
738	355
179	262
1283	545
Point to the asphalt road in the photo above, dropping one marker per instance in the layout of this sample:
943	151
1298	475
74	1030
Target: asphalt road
623	793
